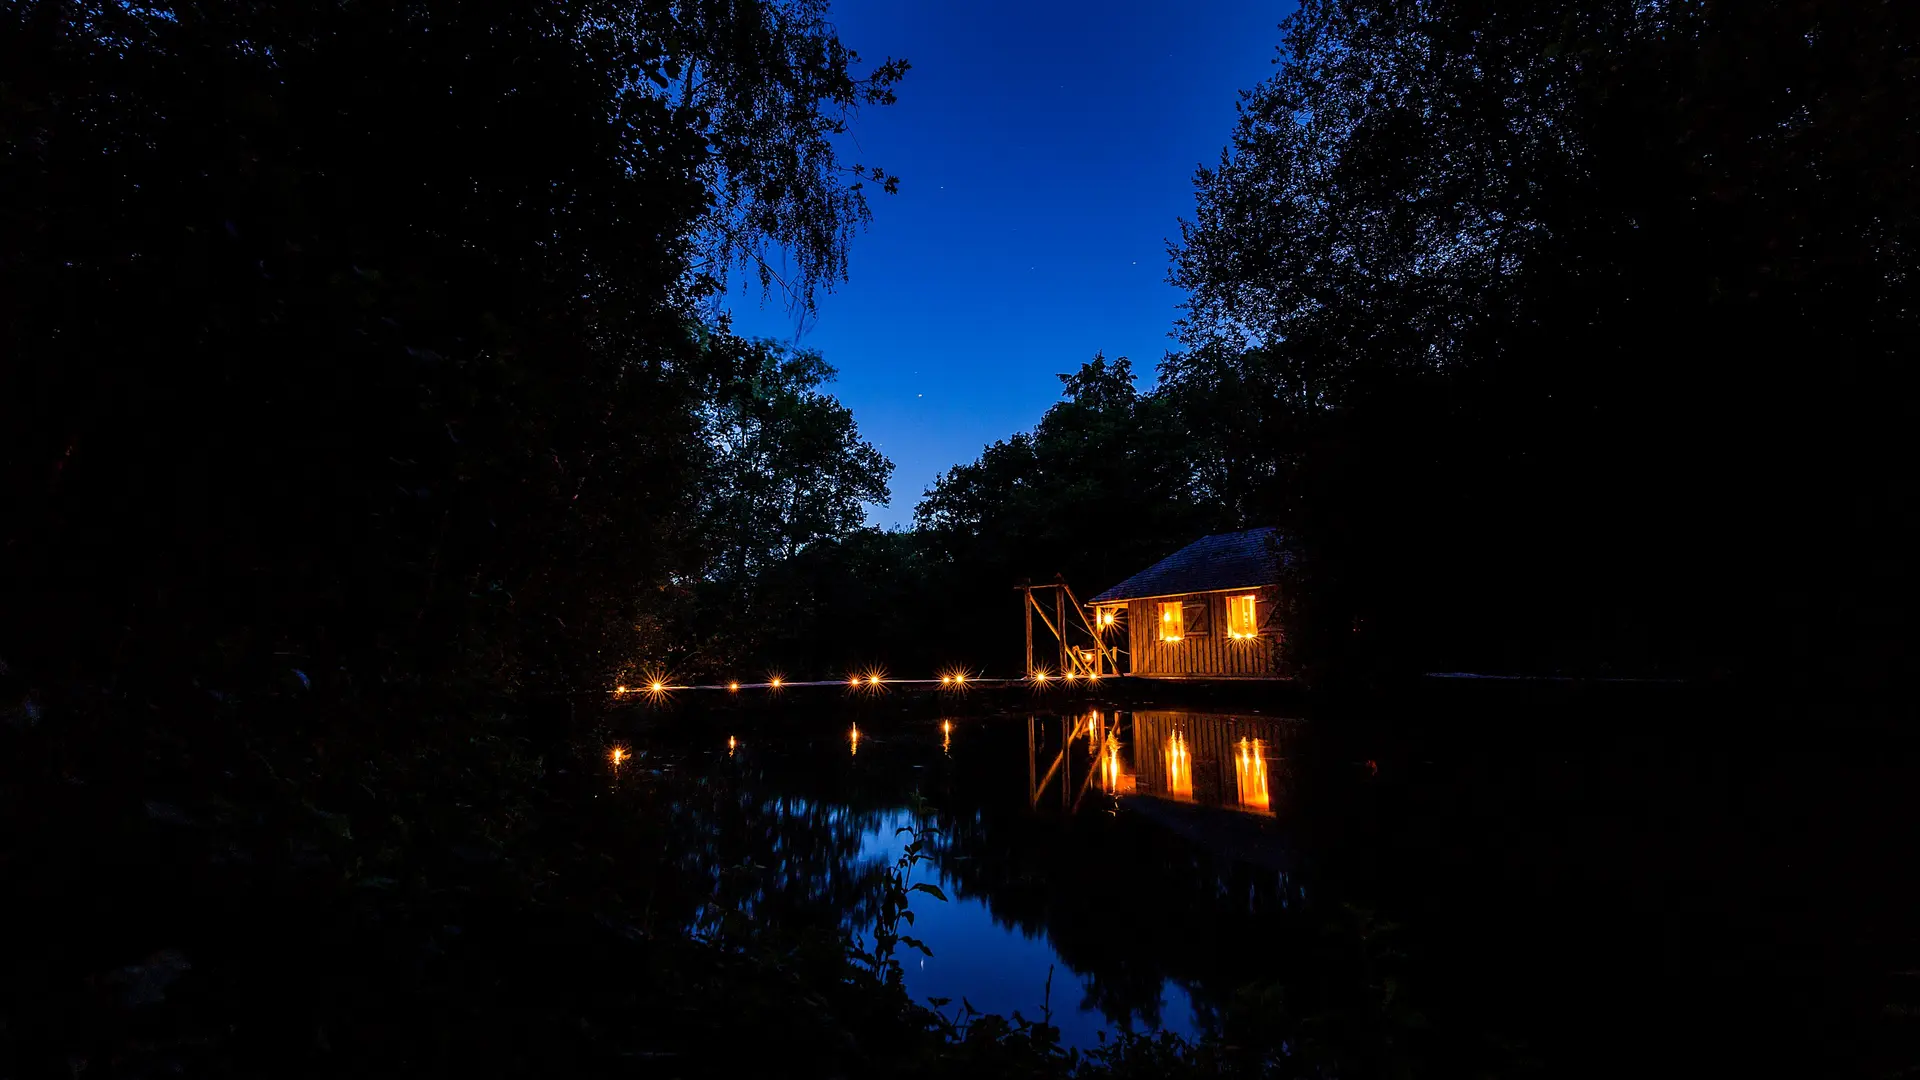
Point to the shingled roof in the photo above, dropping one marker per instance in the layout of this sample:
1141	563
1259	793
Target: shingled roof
1227	561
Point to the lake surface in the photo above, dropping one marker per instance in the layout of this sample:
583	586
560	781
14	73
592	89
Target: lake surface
1177	805
1533	896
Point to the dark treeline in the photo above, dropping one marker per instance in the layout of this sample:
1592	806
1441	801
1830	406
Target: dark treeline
381	346
375	341
366	402
1568	337
1573	334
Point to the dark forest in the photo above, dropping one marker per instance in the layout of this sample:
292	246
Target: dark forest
369	407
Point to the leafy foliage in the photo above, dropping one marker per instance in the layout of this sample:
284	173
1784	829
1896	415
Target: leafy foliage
1525	299
785	487
790	468
365	334
1507	316
1100	487
356	357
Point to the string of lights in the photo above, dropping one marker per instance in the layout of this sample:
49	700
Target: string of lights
656	686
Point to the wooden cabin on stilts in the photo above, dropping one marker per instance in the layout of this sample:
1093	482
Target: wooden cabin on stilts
1207	611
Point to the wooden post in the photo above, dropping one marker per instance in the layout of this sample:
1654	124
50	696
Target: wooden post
1060	624
1026	612
1033	775
1066	763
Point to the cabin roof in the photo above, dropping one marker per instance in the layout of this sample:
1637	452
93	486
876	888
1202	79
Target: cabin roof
1225	561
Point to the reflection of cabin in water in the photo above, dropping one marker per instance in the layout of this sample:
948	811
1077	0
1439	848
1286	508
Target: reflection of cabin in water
1208	610
1172	755
1210	760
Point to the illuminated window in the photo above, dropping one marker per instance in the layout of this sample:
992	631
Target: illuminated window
1172	626
1240	617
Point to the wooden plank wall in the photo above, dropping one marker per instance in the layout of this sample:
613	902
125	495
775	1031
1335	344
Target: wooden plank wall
1212	653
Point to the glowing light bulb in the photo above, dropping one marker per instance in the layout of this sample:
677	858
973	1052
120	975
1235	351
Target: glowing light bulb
733	687
658	686
774	682
853	681
873	680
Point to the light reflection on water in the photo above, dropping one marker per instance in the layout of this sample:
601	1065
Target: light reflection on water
1150	866
999	966
1250	772
1085	867
1179	766
1214	761
992	963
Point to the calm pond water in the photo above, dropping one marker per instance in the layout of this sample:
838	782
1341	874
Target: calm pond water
1185	795
1530	897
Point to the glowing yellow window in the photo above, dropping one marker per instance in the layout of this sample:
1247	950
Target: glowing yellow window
1241	622
1172	628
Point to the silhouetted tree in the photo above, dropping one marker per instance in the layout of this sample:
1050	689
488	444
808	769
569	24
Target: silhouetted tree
1575	329
787	481
1104	484
365	334
789	468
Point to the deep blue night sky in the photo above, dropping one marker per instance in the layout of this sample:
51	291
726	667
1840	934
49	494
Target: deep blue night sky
1045	151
